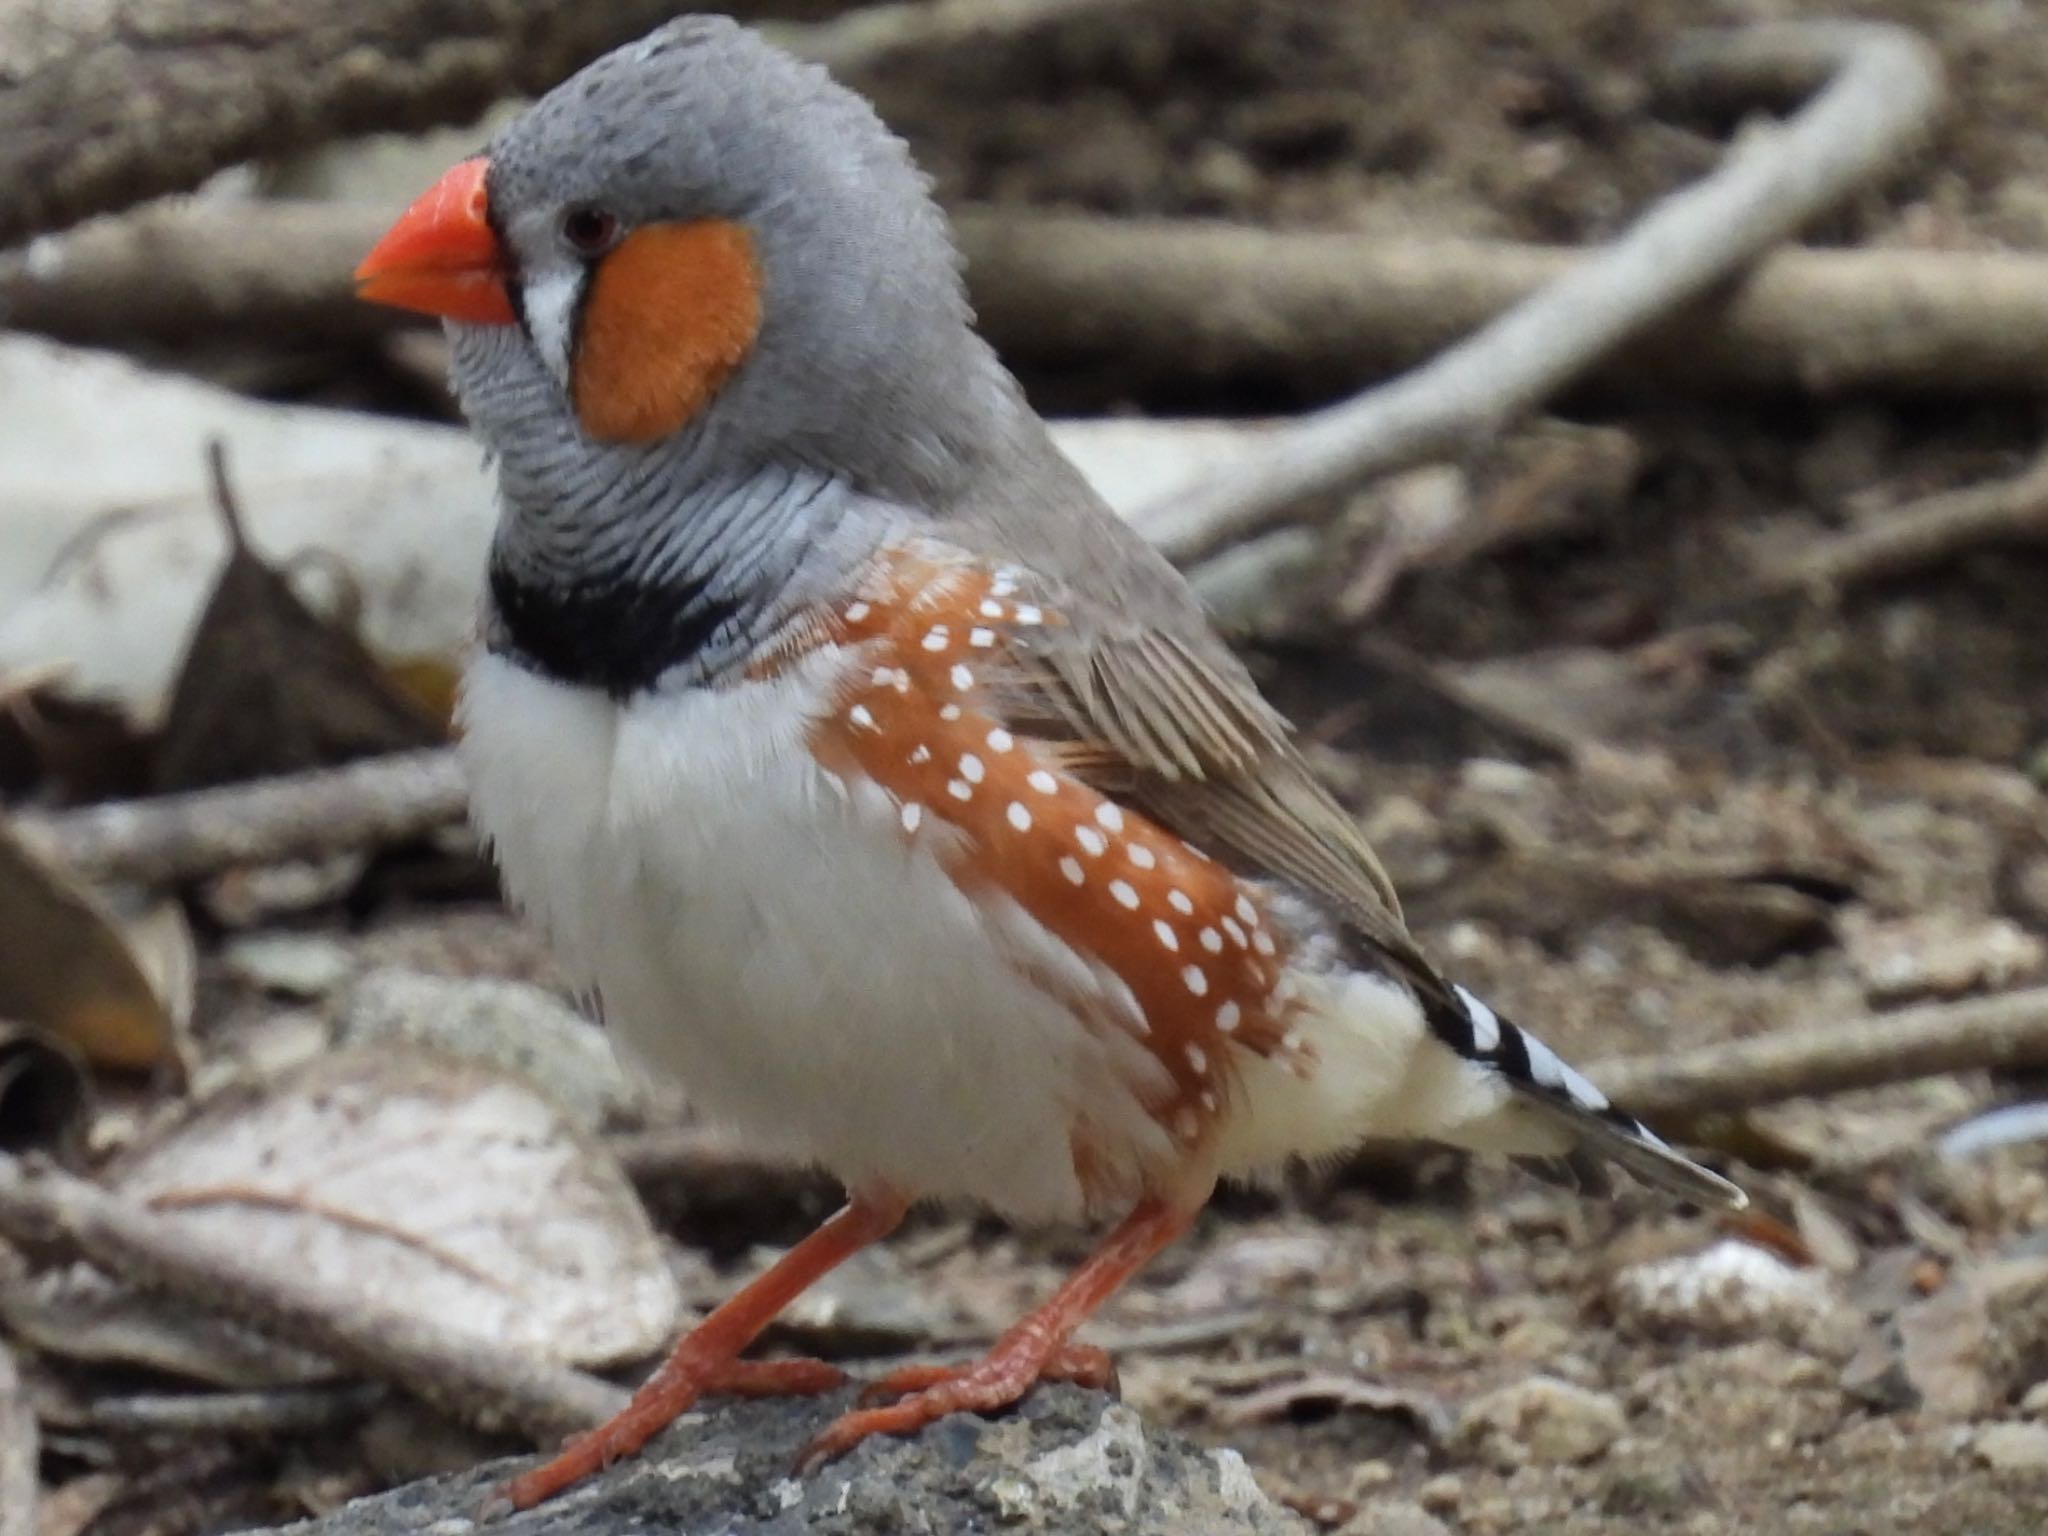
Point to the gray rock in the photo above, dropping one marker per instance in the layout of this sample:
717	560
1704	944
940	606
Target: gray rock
1065	1463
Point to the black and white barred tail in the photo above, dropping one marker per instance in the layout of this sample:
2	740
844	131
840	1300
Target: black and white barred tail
1547	1084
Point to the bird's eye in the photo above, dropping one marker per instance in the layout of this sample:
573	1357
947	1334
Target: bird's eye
590	231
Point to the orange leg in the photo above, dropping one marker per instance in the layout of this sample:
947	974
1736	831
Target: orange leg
1021	1356
1081	1364
706	1360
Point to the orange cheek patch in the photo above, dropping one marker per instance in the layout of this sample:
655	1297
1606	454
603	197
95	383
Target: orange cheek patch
672	310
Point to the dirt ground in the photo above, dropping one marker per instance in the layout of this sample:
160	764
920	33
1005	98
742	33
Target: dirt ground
1829	807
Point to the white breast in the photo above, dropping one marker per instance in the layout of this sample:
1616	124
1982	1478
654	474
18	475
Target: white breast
774	939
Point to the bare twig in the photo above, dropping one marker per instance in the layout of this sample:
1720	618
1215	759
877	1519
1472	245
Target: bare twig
19	1449
1139	302
104	105
1920	534
1142	301
260	1413
481	1384
1884	91
2006	1031
168	839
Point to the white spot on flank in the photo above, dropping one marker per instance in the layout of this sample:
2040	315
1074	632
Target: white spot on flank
1026	614
1246	912
892	677
1197	980
962	678
863	717
912	815
958	790
1187	1125
1209	1100
920	753
1125	893
949	712
1236	933
991	609
1142	857
1262	941
1005	585
981	639
1111	818
970	768
1212	941
1092	842
1000	740
1018	817
855	612
935	638
1071	868
1228	1017
1198	1059
1181	902
1043	782
1166	934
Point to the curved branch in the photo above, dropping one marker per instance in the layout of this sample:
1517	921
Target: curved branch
1883	94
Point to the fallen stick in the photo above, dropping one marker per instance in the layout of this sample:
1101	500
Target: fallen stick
481	1384
19	1453
1919	534
172	839
1884	87
1142	301
1139	302
1981	1033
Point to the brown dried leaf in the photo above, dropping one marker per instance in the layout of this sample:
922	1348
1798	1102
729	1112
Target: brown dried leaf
74	969
267	686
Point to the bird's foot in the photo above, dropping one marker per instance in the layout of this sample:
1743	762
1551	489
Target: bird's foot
671	1392
927	1393
1081	1365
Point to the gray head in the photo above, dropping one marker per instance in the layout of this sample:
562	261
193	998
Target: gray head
713	257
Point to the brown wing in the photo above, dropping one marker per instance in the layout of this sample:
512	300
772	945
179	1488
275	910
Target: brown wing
1149	704
1189	740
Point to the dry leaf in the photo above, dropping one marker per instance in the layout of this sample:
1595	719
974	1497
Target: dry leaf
1321	1393
78	1313
72	967
267	686
434	1184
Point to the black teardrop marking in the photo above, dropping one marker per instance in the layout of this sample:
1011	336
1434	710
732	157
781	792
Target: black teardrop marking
610	632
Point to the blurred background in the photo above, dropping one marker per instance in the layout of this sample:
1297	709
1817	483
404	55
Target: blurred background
1697	700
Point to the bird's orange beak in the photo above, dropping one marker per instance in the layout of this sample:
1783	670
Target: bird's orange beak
442	257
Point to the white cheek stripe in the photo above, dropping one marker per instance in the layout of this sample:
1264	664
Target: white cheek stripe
550	304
